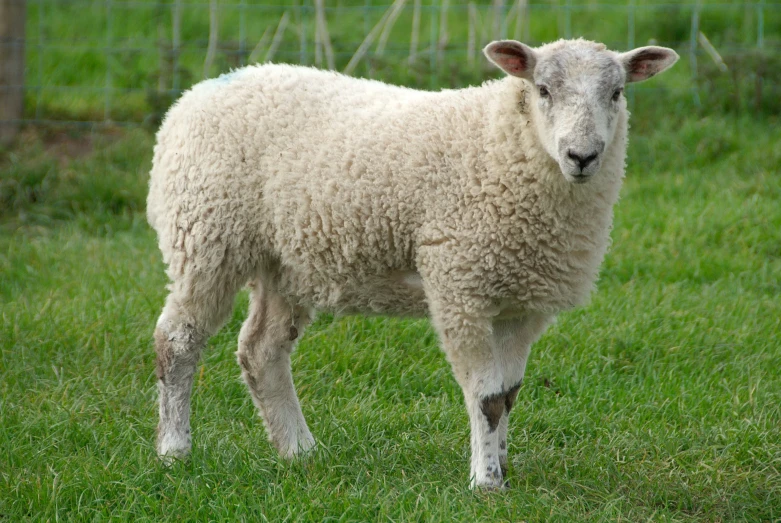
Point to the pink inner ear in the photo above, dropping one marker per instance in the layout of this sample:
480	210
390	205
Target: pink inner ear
645	65
642	69
514	64
510	59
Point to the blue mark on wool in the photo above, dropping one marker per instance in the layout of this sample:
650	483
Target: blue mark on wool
223	79
226	77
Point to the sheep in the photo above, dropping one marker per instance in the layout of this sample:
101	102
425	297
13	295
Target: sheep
488	209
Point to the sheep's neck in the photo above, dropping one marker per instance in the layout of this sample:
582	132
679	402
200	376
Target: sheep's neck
536	210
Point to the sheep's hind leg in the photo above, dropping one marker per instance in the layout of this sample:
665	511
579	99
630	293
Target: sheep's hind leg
266	341
195	309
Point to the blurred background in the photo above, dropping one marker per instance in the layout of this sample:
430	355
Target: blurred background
84	62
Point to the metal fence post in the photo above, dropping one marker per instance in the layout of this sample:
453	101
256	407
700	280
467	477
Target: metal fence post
302	26
39	46
630	44
109	64
433	62
12	19
176	38
243	53
695	29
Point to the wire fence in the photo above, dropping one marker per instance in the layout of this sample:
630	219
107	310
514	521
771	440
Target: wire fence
117	62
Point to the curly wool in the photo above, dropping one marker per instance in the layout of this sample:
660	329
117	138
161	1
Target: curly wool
338	192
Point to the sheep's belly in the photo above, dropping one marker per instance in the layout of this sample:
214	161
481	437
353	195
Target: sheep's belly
398	293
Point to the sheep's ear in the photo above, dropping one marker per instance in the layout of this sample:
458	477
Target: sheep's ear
645	62
512	57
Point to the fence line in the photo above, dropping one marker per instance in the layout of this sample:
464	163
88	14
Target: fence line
12	71
127	75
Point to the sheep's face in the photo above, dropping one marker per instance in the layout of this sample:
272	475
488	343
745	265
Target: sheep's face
577	97
578	94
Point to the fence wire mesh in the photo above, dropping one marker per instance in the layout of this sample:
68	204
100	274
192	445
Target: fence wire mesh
124	62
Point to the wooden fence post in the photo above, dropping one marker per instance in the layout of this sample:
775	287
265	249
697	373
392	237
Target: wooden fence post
12	18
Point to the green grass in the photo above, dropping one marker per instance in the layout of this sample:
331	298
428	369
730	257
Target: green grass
659	401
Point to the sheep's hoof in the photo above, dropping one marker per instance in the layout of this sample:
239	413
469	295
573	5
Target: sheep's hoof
490	484
171	450
302	448
502	487
170	457
302	454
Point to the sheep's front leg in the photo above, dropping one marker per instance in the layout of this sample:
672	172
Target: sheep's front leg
512	341
466	340
485	415
488	360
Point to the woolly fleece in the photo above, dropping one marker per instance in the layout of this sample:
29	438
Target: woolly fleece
336	191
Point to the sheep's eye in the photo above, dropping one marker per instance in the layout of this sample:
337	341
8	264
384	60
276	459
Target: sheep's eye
617	94
544	91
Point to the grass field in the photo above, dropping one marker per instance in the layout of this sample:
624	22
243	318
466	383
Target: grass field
660	401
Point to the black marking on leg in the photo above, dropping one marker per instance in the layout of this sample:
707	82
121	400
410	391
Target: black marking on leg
493	472
493	407
504	470
293	332
503	445
509	399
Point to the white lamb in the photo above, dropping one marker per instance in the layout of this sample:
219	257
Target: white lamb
487	208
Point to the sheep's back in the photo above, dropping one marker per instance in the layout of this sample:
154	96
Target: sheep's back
292	165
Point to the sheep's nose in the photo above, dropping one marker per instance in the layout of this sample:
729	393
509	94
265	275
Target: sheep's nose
582	159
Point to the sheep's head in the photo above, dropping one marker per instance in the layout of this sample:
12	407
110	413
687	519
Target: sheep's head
578	94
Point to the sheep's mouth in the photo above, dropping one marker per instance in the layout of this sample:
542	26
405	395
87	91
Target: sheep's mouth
577	174
577	178
580	178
